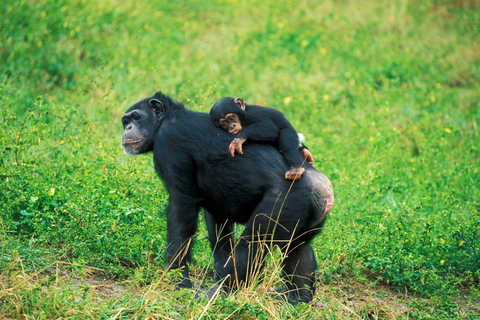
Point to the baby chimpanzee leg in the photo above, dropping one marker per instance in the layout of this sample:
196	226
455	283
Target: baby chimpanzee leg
288	147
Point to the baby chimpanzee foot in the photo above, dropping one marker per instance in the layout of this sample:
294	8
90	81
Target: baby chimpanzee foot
294	173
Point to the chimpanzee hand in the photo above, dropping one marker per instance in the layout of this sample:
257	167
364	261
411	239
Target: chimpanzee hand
236	145
307	154
294	173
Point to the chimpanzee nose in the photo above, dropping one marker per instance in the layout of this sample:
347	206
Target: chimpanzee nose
129	127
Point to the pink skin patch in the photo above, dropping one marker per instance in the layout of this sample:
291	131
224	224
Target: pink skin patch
329	204
329	195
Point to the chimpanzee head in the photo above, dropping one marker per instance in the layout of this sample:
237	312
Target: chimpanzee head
226	114
141	122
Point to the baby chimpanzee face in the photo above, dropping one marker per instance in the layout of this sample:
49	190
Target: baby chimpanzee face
231	123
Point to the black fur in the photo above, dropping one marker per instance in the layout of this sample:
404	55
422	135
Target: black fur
191	157
262	124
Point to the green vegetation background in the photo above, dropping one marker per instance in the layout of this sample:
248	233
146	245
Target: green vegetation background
386	93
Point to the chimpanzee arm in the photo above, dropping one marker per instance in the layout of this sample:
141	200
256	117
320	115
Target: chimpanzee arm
182	214
183	204
261	131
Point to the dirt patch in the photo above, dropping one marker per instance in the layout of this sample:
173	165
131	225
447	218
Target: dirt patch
380	301
100	287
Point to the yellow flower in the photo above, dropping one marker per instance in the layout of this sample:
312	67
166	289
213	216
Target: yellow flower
442	241
447	130
461	243
442	262
287	100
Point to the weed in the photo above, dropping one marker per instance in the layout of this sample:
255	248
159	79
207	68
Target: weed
386	94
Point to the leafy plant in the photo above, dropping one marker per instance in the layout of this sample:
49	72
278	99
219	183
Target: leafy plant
386	94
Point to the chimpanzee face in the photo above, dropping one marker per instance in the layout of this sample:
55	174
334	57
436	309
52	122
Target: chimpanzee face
140	123
231	123
226	114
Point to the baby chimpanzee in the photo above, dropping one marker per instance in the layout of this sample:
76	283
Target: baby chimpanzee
261	124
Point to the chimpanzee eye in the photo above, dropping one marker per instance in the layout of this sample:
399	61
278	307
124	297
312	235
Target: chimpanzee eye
135	116
223	124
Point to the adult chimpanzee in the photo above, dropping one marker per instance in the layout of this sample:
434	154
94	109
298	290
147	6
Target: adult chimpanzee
260	124
191	157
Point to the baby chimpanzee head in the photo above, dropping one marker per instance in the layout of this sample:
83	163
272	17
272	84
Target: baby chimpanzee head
225	114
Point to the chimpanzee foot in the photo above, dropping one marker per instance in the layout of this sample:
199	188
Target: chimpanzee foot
208	293
294	173
291	297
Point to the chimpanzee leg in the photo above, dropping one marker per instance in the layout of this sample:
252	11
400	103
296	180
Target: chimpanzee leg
288	146
275	221
299	268
221	242
235	262
244	264
248	255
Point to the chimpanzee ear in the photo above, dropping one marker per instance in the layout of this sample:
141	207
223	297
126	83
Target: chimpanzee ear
157	107
239	102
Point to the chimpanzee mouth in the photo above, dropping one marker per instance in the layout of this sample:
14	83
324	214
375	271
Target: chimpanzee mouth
131	142
132	146
234	131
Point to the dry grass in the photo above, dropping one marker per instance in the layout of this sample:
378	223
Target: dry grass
64	290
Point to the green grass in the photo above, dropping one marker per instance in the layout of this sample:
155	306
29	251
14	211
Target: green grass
386	93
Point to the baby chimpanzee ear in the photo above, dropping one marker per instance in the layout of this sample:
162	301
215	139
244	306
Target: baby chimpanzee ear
157	107
239	102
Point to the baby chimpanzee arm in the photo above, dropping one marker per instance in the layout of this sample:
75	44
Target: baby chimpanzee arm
262	131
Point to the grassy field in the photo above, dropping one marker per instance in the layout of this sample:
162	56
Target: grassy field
387	94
